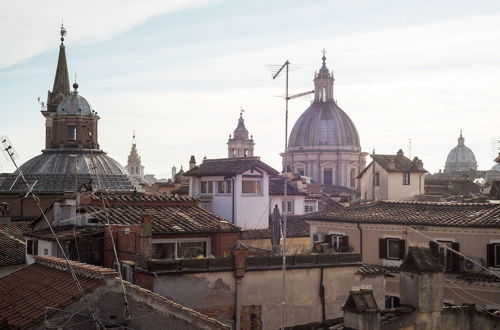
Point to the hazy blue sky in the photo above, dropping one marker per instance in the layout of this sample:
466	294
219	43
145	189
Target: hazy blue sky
177	73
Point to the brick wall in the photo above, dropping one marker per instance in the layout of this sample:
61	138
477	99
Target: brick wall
250	317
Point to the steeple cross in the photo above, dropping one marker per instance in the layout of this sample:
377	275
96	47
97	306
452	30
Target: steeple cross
241	110
324	52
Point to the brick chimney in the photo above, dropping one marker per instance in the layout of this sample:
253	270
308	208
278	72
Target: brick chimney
360	310
240	252
145	251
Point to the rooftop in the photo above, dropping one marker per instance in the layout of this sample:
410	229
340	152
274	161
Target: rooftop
277	188
12	242
168	214
229	167
416	213
295	227
397	163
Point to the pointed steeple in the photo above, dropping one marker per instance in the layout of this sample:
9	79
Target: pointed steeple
240	145
61	79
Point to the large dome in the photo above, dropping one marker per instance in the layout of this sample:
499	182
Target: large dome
461	158
325	124
62	170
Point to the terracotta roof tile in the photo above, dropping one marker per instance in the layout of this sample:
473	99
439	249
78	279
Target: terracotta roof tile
277	188
296	226
416	213
168	214
12	242
229	167
24	299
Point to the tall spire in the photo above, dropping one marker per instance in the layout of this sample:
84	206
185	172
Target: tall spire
61	79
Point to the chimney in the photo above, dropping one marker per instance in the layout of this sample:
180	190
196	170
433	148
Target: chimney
145	241
240	252
421	286
360	310
419	165
192	162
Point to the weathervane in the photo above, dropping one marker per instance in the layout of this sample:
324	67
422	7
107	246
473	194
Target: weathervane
63	32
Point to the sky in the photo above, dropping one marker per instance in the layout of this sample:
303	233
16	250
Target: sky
178	72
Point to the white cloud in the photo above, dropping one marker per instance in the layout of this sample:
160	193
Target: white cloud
30	27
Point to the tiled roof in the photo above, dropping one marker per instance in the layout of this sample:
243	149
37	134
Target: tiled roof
295	227
374	270
396	163
416	213
48	283
450	187
169	214
477	277
66	232
12	242
229	167
277	188
26	292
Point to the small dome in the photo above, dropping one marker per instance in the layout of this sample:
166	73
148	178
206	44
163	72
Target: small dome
74	104
325	123
460	158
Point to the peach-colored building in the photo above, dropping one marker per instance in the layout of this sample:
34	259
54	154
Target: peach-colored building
392	177
382	232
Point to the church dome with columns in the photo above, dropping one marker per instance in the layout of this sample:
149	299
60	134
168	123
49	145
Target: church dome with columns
461	158
324	142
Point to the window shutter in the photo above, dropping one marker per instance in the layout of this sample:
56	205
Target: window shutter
382	248
344	244
328	239
455	258
29	246
402	249
490	255
35	247
434	248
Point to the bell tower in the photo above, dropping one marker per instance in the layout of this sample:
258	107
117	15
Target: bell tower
239	145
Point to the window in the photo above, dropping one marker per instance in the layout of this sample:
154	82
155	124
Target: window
289	207
493	255
339	243
406	178
234	152
207	187
392	302
32	247
300	171
308	208
246	153
251	187
328	176
224	187
449	261
71	132
377	179
392	248
179	249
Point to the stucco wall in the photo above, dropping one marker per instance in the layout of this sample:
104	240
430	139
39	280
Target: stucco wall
398	191
298	201
216	291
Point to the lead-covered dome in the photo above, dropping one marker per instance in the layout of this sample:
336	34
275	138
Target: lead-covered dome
461	158
74	104
62	170
325	124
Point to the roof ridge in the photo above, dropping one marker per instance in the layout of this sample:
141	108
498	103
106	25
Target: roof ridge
80	268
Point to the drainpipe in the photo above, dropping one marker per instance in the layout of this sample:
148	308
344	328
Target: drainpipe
322	295
232	196
360	241
238	303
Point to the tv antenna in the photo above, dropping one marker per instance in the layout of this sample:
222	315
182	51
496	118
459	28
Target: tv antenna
286	67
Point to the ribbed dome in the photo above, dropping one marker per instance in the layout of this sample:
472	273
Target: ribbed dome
74	104
325	124
62	170
460	158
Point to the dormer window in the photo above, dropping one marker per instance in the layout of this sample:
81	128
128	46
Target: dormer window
71	132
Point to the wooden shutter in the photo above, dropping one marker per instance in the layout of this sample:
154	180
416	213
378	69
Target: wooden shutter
434	248
490	255
328	239
29	246
382	248
455	258
402	249
344	244
35	247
